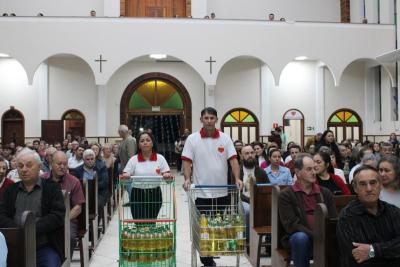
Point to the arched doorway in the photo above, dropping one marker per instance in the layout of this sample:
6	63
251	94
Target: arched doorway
345	124
293	126
13	127
74	123
241	124
160	102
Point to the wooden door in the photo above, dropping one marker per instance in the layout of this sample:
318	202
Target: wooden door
13	127
52	131
155	8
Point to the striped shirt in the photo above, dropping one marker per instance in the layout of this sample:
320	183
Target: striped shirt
382	230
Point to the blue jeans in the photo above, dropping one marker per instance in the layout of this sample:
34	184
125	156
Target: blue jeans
3	251
47	257
301	248
246	208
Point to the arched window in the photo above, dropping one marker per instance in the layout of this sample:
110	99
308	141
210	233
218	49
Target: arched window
74	123
13	127
240	124
346	124
293	124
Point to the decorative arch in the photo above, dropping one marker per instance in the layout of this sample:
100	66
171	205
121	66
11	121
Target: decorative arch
241	124
74	123
346	124
13	127
137	100
293	126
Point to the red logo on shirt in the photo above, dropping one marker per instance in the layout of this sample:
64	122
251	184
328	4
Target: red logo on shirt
158	170
221	149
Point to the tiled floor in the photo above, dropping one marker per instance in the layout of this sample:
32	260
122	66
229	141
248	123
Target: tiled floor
106	253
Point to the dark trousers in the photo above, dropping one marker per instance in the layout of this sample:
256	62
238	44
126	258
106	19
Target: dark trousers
146	203
46	256
101	202
73	226
213	205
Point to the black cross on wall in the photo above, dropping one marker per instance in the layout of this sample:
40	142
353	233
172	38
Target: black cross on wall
101	60
211	61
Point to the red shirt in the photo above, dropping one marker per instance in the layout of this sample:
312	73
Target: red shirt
7	182
309	200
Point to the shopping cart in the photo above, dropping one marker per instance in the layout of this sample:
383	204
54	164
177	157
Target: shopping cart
147	222
217	229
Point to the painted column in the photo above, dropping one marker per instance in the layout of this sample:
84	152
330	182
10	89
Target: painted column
101	110
320	123
267	84
199	8
111	8
209	95
41	82
356	11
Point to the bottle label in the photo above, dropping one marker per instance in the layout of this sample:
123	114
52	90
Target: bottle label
239	235
205	236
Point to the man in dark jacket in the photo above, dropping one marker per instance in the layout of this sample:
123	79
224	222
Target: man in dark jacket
368	230
89	170
45	199
296	210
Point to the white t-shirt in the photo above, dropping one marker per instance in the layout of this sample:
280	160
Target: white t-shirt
340	173
209	156
73	163
155	166
390	197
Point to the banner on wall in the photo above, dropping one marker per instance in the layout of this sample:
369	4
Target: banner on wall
293	115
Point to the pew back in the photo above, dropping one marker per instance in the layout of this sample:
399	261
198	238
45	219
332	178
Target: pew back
21	242
67	229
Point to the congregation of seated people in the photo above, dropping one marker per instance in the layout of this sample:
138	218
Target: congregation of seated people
313	174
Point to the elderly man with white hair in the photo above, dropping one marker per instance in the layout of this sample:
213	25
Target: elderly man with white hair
44	198
89	171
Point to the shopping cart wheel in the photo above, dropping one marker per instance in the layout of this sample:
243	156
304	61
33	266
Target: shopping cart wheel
194	256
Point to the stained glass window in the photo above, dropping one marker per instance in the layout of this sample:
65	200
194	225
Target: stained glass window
238	116
73	115
344	116
156	93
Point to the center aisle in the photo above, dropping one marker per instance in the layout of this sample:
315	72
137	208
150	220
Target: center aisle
106	253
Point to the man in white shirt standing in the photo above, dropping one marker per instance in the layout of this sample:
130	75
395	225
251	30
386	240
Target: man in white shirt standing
208	152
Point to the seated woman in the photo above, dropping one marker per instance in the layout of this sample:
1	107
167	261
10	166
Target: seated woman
325	174
146	201
277	174
389	172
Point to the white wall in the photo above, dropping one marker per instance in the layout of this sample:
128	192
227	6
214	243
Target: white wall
52	7
15	91
350	93
132	70
72	86
296	90
299	10
238	85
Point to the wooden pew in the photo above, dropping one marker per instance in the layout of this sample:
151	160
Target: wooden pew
93	216
260	219
67	241
280	255
326	250
21	242
83	227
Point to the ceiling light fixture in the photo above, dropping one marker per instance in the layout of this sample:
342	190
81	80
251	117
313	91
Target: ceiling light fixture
301	58
158	56
4	55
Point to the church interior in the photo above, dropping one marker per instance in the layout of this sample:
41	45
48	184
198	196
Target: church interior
316	65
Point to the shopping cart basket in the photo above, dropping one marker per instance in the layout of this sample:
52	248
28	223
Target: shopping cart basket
217	229
147	222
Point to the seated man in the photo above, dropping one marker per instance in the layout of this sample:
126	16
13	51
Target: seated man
45	199
4	182
88	170
249	170
294	150
59	174
296	210
76	160
47	159
368	230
